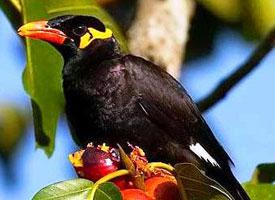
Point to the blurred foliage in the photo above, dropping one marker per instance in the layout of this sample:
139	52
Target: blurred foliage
256	17
228	10
264	173
204	27
12	9
253	18
261	186
13	122
44	62
123	11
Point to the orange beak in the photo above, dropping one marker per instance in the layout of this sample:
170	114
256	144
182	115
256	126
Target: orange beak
42	31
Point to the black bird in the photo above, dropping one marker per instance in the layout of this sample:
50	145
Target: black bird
116	98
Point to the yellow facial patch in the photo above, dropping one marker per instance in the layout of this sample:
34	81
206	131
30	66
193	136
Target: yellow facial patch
93	34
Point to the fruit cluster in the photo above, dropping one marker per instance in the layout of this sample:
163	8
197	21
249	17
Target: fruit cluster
136	178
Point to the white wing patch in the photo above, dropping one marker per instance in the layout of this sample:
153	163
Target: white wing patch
202	153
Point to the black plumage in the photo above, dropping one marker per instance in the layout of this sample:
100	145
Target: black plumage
116	98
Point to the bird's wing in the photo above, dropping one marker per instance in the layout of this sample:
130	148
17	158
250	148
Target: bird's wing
168	105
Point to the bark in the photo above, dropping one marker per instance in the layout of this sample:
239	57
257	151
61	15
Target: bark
160	32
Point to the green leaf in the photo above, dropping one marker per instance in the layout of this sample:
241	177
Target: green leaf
107	191
264	173
71	189
78	189
258	187
42	76
194	185
260	191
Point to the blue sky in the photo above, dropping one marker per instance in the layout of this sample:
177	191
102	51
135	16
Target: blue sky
243	122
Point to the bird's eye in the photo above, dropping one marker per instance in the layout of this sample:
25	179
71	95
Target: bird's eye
81	30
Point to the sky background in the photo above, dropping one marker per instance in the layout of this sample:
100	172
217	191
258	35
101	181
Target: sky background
243	122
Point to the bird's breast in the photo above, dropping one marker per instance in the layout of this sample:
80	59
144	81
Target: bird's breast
101	102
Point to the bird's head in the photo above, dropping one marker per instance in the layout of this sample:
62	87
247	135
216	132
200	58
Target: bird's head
72	34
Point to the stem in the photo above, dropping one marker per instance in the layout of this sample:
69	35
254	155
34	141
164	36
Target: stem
105	179
161	165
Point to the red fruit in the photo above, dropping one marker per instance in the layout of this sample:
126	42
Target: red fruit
123	182
98	163
95	162
134	194
162	188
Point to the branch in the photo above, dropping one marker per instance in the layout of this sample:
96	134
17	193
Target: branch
234	78
160	32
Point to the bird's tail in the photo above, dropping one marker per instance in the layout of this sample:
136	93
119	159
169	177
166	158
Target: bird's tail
235	189
230	183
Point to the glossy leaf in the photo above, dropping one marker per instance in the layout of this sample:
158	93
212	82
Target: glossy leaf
78	189
42	76
107	191
67	190
194	185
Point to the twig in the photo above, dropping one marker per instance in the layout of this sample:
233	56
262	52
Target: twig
234	78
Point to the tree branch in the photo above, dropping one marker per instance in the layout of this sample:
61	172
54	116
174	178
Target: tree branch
159	32
234	78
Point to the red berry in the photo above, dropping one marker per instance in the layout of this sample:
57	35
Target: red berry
162	188
134	194
95	162
98	163
123	182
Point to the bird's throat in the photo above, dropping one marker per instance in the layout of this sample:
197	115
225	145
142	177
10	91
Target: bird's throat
78	60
